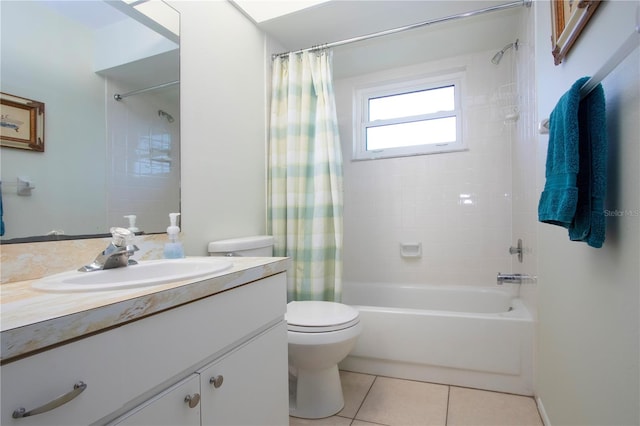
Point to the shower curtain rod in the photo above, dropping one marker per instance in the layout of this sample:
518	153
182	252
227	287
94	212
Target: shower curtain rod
119	97
410	27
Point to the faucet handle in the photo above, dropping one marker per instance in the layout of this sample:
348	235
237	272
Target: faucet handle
121	237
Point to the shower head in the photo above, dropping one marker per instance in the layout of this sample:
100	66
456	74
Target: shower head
498	56
165	115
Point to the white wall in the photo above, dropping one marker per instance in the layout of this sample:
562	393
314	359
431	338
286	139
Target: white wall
418	199
223	124
589	322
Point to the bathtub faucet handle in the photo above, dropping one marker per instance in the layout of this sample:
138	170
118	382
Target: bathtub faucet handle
517	250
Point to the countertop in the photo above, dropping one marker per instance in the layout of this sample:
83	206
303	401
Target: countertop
32	320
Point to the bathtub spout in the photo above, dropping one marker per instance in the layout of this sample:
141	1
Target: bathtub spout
513	278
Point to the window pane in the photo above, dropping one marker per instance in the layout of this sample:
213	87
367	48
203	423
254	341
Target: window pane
413	103
441	130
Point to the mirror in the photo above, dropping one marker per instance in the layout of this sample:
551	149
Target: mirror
104	158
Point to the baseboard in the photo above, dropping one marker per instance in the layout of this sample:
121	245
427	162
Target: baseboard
543	413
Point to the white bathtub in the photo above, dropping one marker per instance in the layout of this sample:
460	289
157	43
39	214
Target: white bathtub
478	337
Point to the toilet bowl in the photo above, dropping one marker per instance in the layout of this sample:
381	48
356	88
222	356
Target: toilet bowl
320	334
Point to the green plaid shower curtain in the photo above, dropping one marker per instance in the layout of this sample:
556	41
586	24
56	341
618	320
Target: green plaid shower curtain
305	175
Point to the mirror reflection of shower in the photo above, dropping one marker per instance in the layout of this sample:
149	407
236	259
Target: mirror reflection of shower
498	56
144	175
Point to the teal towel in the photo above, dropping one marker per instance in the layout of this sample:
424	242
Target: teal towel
589	222
575	187
559	199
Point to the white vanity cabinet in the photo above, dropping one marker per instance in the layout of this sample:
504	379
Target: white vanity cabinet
246	386
141	372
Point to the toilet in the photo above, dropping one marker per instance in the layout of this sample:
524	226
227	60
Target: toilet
320	335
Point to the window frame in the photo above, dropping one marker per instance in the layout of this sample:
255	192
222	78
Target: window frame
385	88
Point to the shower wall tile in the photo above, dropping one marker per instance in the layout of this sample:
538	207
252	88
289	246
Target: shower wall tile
457	205
525	148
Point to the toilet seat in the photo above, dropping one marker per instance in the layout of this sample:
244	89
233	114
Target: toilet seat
320	317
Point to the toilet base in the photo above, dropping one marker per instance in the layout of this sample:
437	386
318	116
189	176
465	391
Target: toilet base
317	394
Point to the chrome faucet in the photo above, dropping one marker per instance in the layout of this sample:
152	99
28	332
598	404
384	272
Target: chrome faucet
513	278
117	254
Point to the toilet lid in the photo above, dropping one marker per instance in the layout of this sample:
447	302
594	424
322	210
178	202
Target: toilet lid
318	317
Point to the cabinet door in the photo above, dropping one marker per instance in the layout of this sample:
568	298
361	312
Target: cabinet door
249	385
178	405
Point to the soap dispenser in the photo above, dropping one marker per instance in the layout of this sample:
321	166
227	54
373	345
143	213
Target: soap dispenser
173	248
132	223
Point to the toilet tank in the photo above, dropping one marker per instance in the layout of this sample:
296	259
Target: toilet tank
256	246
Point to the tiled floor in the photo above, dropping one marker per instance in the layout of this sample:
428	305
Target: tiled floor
375	400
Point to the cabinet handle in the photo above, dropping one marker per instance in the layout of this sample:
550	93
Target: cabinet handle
78	388
216	381
192	400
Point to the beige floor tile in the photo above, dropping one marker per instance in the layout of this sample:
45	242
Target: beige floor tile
354	388
477	407
327	421
363	423
405	403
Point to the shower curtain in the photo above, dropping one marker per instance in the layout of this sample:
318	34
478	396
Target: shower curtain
305	175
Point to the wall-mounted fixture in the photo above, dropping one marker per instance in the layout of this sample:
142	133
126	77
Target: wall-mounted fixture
121	96
514	278
517	250
498	56
165	115
628	45
411	249
23	186
512	117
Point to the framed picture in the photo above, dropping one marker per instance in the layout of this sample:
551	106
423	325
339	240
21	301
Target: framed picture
21	123
568	18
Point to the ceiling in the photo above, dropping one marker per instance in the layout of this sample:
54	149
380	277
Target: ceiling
92	14
337	20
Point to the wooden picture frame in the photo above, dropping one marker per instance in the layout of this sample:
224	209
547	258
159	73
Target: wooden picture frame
568	18
21	123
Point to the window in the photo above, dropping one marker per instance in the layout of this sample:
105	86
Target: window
153	154
409	118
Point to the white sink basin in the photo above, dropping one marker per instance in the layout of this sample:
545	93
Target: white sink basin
145	273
